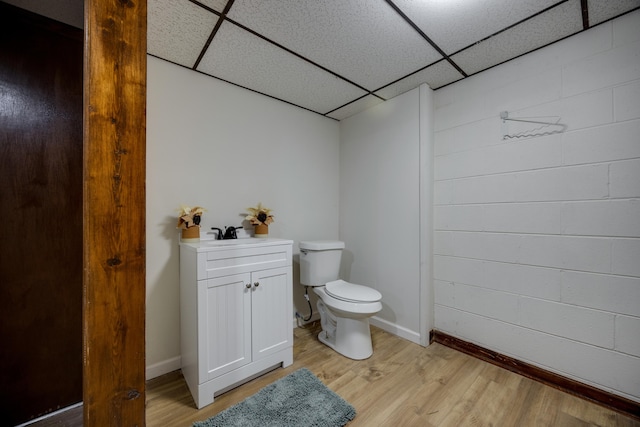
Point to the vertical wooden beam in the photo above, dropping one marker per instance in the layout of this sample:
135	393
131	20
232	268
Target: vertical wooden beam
114	212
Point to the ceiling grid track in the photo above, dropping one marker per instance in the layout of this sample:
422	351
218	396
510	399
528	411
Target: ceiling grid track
585	14
213	32
435	46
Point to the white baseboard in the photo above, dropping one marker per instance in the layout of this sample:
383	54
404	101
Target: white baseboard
394	329
385	325
314	318
164	367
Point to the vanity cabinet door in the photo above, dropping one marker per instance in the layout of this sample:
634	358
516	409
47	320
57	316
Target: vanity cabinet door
272	328
224	324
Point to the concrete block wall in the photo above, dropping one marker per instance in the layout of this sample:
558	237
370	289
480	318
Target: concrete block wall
537	239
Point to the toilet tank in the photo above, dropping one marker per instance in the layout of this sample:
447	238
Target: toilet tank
320	261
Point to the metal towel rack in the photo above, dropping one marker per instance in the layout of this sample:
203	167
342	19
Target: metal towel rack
555	126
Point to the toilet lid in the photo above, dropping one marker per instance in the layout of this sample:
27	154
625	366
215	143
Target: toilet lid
350	292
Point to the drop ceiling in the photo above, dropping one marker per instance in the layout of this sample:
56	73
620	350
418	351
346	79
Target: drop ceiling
339	57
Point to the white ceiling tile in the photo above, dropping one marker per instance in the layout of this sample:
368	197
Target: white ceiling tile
435	76
217	5
555	24
456	24
365	41
355	107
240	57
177	30
601	10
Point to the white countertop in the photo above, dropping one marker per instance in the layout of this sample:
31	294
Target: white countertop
212	244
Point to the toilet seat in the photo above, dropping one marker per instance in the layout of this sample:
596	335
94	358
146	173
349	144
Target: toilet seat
350	292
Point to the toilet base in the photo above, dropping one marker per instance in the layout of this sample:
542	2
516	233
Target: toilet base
352	338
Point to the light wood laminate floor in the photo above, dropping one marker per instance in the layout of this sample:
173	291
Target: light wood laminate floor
402	384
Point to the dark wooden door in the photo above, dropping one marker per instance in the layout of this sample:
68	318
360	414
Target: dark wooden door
41	215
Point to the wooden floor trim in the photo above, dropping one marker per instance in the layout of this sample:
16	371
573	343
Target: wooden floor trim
568	385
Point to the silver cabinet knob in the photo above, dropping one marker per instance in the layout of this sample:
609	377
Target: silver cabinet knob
248	285
256	284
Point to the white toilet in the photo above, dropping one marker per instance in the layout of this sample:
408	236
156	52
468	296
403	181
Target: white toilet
344	307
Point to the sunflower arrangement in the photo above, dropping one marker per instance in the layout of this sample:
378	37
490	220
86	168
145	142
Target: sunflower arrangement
259	215
190	217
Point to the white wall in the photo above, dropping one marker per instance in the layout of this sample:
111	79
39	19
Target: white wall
225	148
537	240
380	208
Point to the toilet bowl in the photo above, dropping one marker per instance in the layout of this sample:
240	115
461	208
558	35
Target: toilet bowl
345	308
345	323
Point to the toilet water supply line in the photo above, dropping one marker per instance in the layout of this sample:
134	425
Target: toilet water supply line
306	296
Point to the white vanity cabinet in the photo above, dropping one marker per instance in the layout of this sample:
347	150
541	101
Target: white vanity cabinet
236	311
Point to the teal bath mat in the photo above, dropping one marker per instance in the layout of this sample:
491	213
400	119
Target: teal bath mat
298	400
